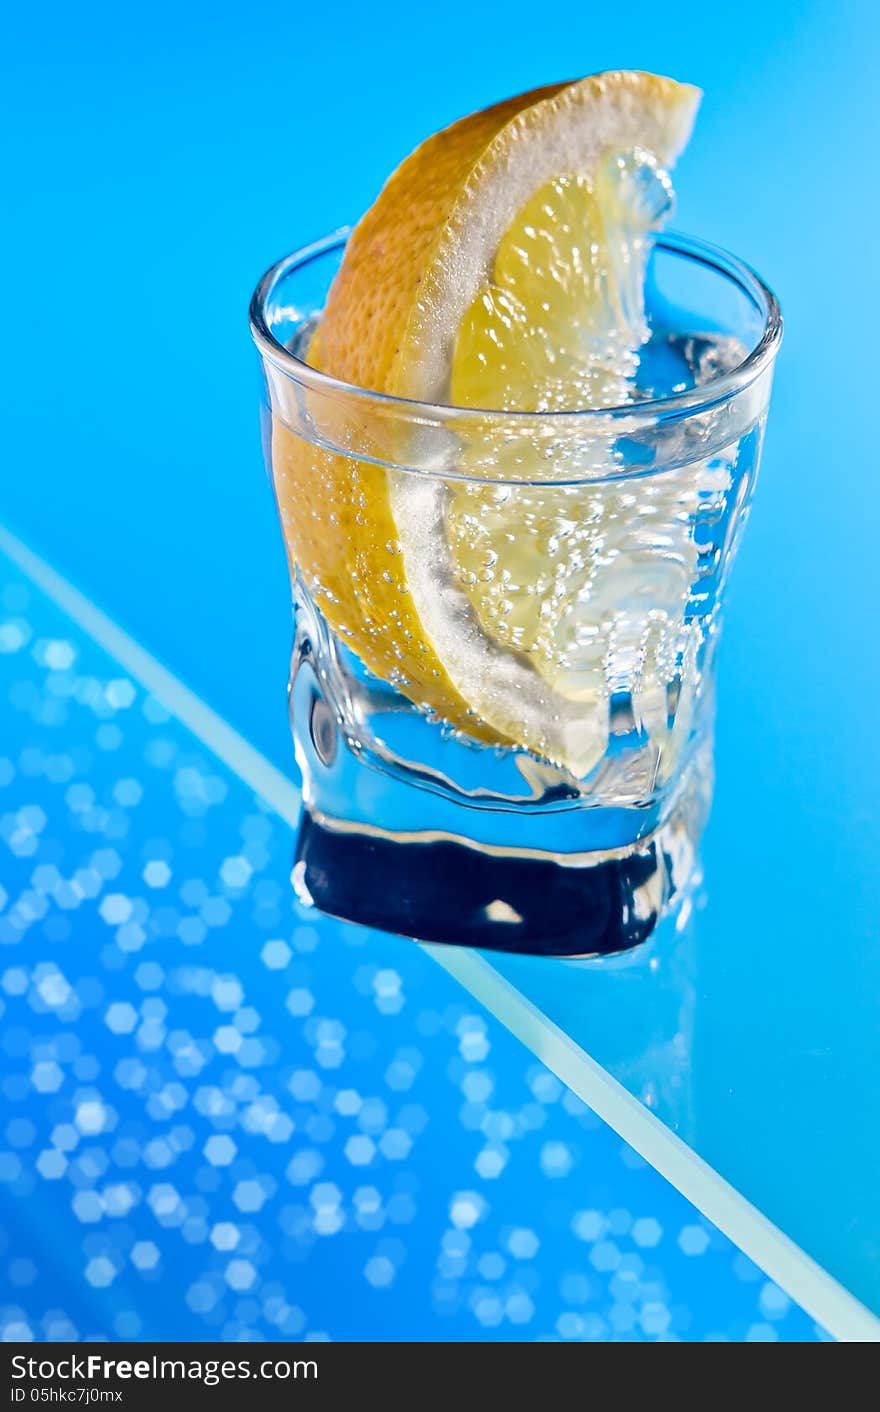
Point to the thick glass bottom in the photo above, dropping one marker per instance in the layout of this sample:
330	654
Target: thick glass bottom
436	888
383	844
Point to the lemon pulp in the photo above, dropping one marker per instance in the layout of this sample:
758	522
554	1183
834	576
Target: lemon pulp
556	328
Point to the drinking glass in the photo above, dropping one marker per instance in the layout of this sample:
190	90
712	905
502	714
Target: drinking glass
450	829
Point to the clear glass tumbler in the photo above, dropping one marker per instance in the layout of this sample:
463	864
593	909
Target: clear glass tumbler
506	623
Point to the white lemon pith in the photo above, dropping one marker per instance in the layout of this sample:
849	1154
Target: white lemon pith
512	610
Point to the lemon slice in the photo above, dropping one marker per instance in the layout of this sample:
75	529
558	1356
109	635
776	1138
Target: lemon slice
501	267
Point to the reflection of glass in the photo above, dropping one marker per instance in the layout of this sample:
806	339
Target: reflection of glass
442	823
636	1014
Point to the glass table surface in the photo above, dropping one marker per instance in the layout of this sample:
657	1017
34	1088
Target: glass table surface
220	1108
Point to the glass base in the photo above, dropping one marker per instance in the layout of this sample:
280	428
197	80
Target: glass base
383	844
446	890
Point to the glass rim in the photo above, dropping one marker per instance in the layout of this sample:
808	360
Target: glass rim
718	389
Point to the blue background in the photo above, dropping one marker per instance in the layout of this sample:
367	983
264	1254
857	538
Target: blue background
164	156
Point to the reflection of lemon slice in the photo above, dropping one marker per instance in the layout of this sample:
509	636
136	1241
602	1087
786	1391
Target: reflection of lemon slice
501	267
